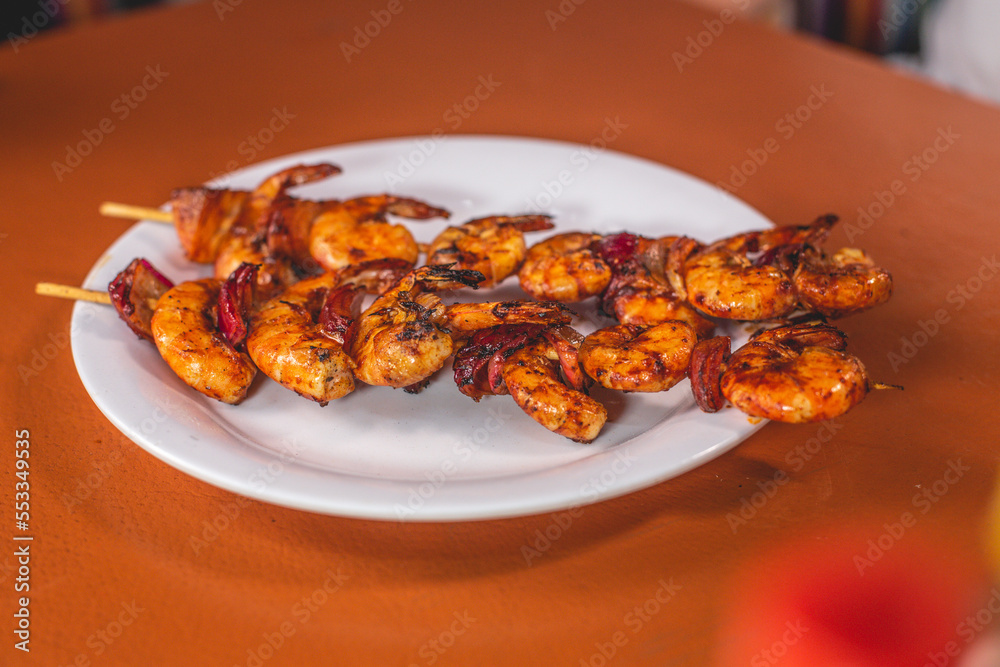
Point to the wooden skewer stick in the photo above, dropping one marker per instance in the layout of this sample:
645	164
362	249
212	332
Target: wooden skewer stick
116	210
75	293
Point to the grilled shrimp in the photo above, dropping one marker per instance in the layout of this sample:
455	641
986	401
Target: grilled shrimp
296	338
640	292
408	333
793	373
204	218
633	358
186	334
494	246
531	376
564	268
246	239
357	231
722	281
844	283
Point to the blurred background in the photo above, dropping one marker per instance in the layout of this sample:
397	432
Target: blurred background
952	42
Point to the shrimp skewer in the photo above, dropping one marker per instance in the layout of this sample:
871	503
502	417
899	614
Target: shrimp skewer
494	246
793	373
788	273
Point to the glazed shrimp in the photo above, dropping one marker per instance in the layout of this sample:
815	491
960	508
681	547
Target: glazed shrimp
204	218
296	338
722	281
357	231
844	283
640	292
795	373
408	333
246	239
564	268
531	376
633	358
494	246
185	332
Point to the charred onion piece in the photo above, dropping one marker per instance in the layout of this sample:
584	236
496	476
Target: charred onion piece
135	291
235	304
341	307
708	361
478	365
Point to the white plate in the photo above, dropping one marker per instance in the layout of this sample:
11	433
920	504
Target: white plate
438	456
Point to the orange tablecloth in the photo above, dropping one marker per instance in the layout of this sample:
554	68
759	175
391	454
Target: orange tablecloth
792	126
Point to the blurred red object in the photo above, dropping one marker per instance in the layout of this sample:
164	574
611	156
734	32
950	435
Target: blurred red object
879	596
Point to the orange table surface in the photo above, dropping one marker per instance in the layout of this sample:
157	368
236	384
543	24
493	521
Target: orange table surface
115	576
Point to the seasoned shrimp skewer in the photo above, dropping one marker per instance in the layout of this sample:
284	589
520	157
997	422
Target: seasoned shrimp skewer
186	334
793	373
494	246
408	333
357	231
722	281
296	338
634	358
564	268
